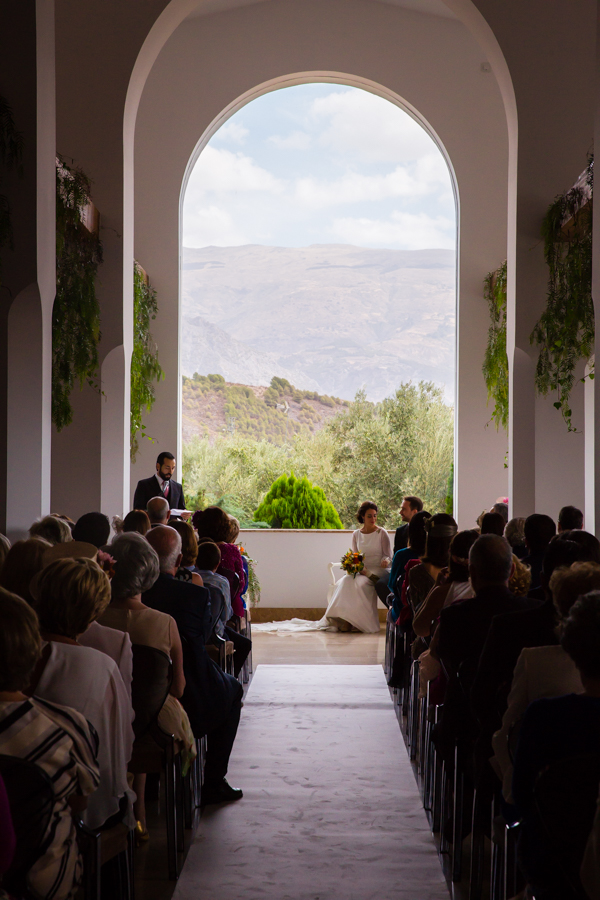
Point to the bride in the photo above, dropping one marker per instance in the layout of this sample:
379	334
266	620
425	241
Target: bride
354	602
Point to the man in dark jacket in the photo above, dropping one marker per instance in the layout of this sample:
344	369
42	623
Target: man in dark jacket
162	484
212	698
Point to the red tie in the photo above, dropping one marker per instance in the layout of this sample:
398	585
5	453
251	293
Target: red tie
166	489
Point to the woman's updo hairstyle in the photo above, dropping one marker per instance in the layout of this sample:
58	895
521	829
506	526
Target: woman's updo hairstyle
234	529
416	532
439	529
580	636
458	565
212	522
368	504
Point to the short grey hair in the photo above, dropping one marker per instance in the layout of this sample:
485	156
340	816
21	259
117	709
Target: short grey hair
491	560
168	561
136	568
52	529
157	509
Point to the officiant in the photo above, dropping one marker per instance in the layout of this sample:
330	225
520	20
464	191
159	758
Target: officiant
162	484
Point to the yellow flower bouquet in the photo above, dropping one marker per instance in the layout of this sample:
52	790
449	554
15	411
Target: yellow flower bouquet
353	563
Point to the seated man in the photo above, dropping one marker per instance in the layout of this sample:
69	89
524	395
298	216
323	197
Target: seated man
539	531
92	528
208	561
158	511
461	635
212	699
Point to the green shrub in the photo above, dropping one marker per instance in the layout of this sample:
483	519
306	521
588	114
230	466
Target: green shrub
295	503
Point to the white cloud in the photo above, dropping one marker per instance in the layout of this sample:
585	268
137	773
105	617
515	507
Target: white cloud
211	227
406	231
224	171
232	131
369	126
354	187
297	140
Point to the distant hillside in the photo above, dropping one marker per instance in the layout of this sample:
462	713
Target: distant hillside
213	406
330	317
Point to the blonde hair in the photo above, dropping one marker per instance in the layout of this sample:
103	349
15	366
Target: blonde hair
20	642
520	580
234	530
52	529
71	594
568	583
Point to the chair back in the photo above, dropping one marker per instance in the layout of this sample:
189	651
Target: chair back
233	578
152	677
565	798
31	799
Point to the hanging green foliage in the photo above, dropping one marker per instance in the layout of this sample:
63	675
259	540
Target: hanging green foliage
295	503
76	311
495	363
565	330
450	492
145	368
11	156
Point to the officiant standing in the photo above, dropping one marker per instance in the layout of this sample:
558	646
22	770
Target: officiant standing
162	485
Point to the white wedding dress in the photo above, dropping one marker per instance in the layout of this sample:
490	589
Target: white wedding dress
354	599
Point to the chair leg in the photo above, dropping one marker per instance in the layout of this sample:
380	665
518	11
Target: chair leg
444	808
477	850
131	865
511	876
188	797
414	710
457	819
179	802
171	812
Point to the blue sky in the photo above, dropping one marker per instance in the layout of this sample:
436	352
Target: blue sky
320	164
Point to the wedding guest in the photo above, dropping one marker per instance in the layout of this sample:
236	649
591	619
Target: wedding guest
405	558
24	560
439	530
539	531
158	511
546	671
59	740
189	552
554	729
213	522
69	595
569	519
500	506
456	585
53	529
208	561
589	543
137	520
515	535
4	548
212	698
92	528
136	570
520	580
492	523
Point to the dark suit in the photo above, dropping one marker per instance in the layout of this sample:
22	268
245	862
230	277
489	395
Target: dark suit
401	538
212	699
508	635
462	633
148	488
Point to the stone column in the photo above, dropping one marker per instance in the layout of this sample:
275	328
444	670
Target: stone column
28	268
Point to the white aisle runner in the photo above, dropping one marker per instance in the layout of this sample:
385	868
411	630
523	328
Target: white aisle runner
330	810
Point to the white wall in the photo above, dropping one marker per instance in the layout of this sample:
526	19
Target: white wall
431	63
292	566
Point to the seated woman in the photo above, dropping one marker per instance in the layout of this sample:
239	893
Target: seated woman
213	522
354	601
189	550
24	560
136	520
555	729
440	530
69	594
53	529
455	586
405	558
543	671
136	570
57	739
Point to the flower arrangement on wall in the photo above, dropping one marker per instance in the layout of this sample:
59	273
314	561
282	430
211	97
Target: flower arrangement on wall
76	311
145	367
565	330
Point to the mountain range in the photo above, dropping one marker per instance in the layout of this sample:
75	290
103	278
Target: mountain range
331	318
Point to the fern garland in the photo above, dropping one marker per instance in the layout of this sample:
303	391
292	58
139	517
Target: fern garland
565	330
495	363
145	368
76	311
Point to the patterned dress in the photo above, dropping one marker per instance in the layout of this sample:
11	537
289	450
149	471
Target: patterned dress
62	743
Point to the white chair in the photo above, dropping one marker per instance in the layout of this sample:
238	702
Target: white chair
333	581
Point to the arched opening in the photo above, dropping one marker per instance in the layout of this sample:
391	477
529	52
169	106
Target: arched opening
374	207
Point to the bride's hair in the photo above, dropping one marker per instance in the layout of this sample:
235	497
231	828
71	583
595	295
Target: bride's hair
368	504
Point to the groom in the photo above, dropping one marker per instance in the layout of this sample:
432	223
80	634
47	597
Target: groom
161	485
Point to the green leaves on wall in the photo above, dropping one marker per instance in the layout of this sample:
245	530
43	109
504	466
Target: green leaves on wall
145	368
495	363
